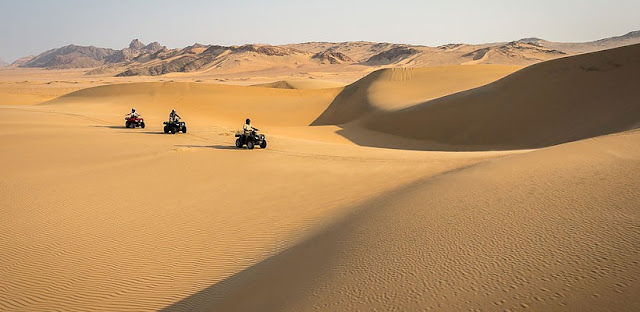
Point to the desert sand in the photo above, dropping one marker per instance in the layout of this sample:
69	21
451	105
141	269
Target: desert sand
471	187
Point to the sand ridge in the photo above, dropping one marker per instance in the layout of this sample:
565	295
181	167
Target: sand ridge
549	103
397	88
471	239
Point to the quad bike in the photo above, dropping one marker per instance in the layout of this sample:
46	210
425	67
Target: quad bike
251	141
134	121
174	126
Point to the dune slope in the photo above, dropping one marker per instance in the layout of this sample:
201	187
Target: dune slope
96	217
549	103
301	84
397	88
533	231
205	103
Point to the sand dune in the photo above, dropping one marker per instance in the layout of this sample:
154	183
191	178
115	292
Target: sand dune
99	217
301	84
282	84
22	86
548	103
533	231
392	89
206	103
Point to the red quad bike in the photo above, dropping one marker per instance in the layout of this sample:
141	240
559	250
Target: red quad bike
132	122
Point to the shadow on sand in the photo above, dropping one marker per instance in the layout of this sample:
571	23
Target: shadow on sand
125	128
110	127
222	147
273	284
351	111
351	108
370	138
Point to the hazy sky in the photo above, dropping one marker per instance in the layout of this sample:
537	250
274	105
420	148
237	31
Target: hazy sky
31	26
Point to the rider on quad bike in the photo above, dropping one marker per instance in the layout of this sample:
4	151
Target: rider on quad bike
133	113
174	124
173	116
250	137
133	120
248	128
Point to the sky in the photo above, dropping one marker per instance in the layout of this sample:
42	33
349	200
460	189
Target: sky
29	27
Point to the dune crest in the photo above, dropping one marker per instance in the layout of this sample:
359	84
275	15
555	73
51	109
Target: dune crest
397	88
300	84
545	104
202	103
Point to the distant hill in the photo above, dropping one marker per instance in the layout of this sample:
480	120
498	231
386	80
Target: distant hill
73	56
593	46
154	59
3	63
21	61
393	55
332	57
516	52
195	58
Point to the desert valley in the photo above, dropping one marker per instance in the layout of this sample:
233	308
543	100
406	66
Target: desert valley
487	177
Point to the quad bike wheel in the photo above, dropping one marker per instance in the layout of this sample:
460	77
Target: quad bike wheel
184	129
127	124
250	145
238	143
173	130
166	129
263	144
142	125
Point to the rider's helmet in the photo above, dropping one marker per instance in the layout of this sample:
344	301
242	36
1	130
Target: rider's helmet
248	121
173	110
133	110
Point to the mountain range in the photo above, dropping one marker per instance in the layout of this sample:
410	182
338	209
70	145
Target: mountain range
154	59
73	56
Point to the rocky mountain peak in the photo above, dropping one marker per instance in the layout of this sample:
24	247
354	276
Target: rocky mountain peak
153	47
332	57
531	40
632	34
136	45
